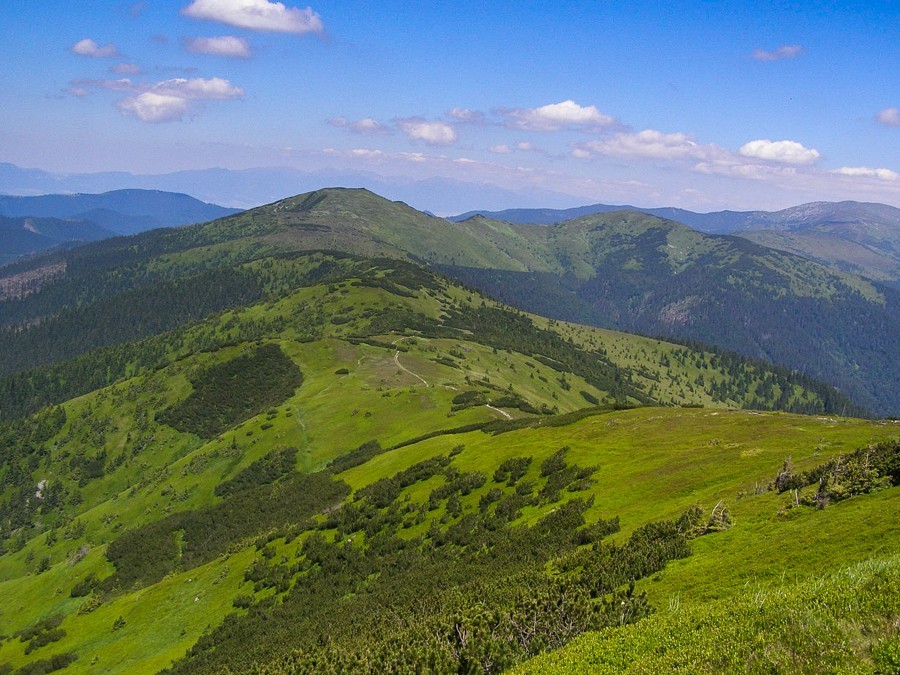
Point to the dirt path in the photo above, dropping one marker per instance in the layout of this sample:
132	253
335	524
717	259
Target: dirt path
404	368
502	412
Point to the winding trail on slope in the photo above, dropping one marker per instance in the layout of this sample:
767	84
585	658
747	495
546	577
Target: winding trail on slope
502	412
404	368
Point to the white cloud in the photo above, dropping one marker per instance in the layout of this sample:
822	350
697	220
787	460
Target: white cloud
783	52
502	149
172	100
466	115
260	15
889	117
785	152
525	146
555	116
730	167
866	172
126	69
153	107
226	45
198	88
648	144
365	126
433	133
88	47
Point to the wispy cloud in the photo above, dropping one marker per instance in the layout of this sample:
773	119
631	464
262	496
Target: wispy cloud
554	116
780	54
121	84
87	47
647	144
226	45
365	126
436	132
866	172
258	15
889	117
466	115
125	69
784	152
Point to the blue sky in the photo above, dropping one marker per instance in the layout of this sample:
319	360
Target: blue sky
703	105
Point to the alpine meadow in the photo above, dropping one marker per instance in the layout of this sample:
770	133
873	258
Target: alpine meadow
276	443
458	339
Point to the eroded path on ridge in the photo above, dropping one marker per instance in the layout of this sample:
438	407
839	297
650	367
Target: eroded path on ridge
425	382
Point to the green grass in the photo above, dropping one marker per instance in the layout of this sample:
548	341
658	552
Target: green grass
652	463
843	622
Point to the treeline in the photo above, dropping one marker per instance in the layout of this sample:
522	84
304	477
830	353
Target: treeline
743	371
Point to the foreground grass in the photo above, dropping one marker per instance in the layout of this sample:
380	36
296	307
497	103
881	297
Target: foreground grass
847	622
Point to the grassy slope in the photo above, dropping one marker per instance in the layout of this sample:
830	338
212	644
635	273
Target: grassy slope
843	622
653	462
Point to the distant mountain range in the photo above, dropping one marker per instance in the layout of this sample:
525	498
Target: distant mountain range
33	224
246	188
857	237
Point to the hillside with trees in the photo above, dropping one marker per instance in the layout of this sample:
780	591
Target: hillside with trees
225	450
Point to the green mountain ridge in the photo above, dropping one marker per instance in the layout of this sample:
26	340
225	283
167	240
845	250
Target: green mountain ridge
627	271
857	237
638	273
278	443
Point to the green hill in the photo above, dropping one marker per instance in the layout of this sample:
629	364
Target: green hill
224	451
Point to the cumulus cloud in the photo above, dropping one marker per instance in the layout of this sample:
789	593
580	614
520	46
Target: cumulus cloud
171	100
889	117
366	126
783	52
555	116
866	172
226	45
648	144
88	47
785	152
259	15
501	149
434	133
153	107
